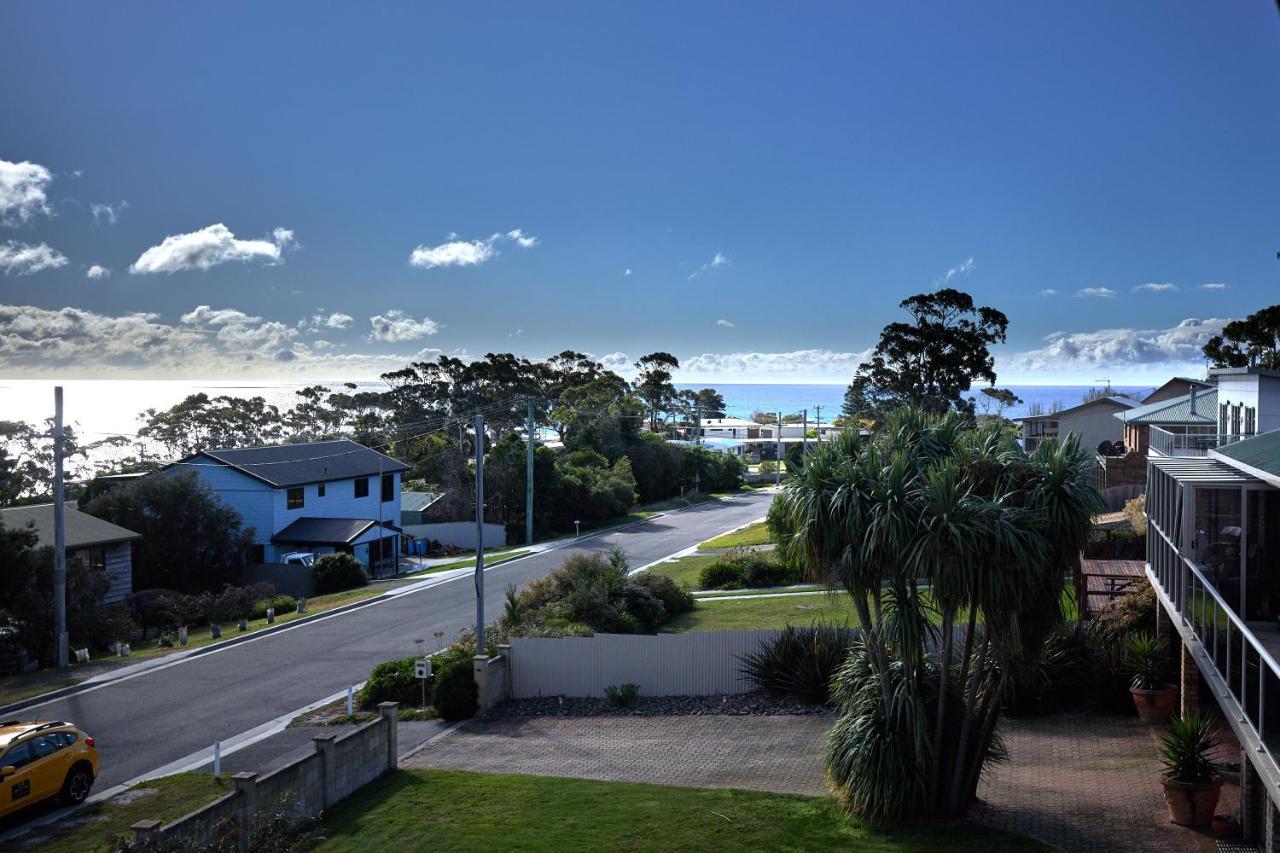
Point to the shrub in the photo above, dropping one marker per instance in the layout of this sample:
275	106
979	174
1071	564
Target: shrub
238	602
768	572
800	662
1133	611
337	572
622	696
1064	673
1146	661
722	574
393	681
751	569
1136	513
282	604
454	690
1185	748
769	466
674	597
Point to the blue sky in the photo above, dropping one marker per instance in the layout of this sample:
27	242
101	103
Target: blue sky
834	158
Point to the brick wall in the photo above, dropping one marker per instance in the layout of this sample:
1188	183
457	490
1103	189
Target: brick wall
339	766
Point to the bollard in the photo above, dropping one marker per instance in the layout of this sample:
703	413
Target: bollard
350	711
217	759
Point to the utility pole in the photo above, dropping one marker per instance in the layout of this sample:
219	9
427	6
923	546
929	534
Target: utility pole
479	425
804	437
59	539
818	422
697	437
777	471
528	478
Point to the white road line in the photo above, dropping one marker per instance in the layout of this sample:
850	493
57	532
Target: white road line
693	549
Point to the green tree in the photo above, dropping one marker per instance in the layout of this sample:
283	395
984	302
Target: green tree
931	503
191	541
931	361
1251	342
654	385
201	422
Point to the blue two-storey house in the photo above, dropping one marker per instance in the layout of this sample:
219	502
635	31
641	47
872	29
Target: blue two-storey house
315	498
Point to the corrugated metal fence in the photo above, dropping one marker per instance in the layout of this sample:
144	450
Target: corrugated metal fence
700	663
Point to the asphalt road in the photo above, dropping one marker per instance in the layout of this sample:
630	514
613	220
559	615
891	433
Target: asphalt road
150	720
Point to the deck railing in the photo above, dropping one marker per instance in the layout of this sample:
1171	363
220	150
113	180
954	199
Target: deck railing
1166	443
1243	664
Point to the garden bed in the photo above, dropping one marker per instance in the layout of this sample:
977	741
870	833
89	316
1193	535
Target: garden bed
736	705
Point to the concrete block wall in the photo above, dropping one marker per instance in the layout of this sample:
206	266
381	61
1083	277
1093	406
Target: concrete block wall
339	766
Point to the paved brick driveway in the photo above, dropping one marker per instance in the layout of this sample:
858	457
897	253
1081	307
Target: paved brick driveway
781	754
1087	782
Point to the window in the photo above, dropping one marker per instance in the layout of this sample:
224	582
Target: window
259	553
19	756
320	490
294	498
362	487
388	487
44	746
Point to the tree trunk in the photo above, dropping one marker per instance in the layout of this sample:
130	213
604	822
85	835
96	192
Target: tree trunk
984	737
939	725
966	724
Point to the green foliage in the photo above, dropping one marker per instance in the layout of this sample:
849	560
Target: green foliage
1251	342
336	572
1067	671
769	466
742	569
594	593
191	541
800	662
1146	660
454	683
1185	747
931	361
1135	511
281	603
393	681
622	696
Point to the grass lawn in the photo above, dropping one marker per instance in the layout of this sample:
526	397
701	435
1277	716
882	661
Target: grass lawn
489	560
684	569
752	534
161	799
454	810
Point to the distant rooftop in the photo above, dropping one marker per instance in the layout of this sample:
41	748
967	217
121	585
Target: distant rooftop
418	501
1121	403
82	530
1176	410
285	465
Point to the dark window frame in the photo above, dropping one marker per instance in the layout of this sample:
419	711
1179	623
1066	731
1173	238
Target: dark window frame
362	487
320	490
295	497
388	488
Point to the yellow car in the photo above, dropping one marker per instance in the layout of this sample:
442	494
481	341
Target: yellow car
42	760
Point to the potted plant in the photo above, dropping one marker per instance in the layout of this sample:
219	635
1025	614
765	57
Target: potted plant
1147	663
1191	785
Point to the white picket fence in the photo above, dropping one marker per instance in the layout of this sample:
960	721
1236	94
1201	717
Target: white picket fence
700	663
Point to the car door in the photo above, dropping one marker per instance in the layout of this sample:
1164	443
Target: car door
49	765
16	790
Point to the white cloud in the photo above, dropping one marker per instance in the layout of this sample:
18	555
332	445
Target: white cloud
960	271
618	362
717	261
396	327
810	365
1104	292
1152	287
1123	350
98	271
209	247
107	214
323	320
203	315
22	191
468	253
1048	291
27	258
1213	285
627	271
725	323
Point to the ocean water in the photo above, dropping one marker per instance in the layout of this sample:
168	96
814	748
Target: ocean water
97	408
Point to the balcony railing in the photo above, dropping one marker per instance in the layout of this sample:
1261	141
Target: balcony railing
1244	665
1166	443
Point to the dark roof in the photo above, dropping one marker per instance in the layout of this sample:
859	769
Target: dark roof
285	465
418	501
327	531
82	530
1121	403
1158	394
1176	411
1259	455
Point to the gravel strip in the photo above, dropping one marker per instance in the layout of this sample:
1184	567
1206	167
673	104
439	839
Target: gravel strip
734	705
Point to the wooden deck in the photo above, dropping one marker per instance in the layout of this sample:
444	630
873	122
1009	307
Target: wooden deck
1101	581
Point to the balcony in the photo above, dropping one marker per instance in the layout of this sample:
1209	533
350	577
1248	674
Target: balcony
1164	442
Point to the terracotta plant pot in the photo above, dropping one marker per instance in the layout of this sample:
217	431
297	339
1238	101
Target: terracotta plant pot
1226	826
1155	706
1191	803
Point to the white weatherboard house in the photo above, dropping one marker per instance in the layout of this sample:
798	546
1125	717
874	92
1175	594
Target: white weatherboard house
99	544
1093	422
320	497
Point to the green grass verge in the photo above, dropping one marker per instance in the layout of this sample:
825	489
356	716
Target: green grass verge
684	569
455	810
752	534
164	799
489	560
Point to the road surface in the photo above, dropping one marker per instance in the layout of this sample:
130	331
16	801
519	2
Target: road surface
158	717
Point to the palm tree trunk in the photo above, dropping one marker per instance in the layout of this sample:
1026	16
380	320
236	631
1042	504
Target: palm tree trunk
966	724
875	645
992	713
968	645
948	619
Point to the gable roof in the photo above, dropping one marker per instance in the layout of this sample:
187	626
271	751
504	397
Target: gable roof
82	530
1186	383
285	465
1120	403
418	501
310	530
1176	411
1258	456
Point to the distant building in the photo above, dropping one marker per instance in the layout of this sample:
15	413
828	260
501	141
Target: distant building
99	544
1093	422
415	506
319	497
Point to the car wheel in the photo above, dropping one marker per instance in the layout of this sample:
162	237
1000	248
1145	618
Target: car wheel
77	785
